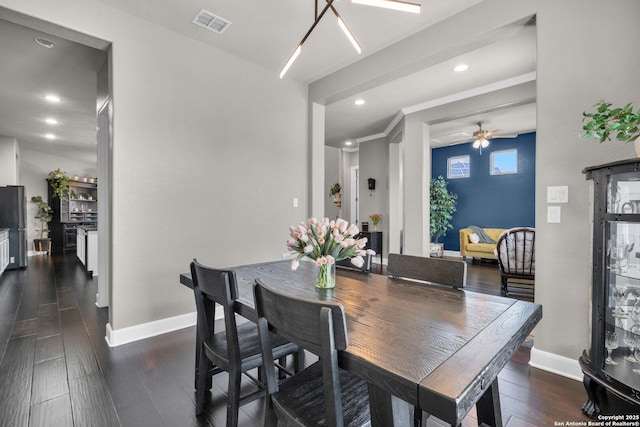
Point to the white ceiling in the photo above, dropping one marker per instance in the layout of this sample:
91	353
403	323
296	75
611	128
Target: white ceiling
28	72
263	32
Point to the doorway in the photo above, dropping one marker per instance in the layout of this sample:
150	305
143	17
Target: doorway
355	194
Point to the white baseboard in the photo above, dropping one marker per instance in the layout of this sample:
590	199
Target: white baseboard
118	337
452	253
560	365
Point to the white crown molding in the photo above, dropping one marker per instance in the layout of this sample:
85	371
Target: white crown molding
459	96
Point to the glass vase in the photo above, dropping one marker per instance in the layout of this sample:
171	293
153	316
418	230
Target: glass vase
326	278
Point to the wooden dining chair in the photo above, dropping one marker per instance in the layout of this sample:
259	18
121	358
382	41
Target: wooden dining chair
433	270
236	349
323	394
516	255
440	271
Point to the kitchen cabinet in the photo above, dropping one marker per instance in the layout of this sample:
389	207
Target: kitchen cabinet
612	361
79	208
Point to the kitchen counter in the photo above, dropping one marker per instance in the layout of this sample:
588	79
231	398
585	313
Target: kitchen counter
87	247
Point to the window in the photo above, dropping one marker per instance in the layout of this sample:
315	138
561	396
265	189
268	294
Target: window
458	167
504	162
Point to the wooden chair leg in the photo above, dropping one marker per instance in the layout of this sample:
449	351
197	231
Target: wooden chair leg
298	361
201	381
233	398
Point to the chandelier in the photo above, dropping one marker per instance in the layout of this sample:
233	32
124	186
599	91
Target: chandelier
388	4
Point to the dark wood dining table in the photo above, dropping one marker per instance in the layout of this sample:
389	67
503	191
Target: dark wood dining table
434	347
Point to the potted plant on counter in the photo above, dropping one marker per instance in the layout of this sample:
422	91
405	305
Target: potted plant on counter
606	122
44	215
442	207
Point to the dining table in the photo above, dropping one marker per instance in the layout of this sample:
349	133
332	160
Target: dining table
436	348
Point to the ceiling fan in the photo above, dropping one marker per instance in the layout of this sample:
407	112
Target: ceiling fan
481	137
401	5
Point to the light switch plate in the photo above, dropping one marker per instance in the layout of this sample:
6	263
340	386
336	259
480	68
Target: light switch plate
553	214
558	194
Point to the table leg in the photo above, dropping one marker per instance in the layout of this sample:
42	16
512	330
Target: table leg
388	410
488	407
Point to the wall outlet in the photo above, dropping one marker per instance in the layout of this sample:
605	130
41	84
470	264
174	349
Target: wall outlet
295	202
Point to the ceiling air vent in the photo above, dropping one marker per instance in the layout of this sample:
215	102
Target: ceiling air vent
211	22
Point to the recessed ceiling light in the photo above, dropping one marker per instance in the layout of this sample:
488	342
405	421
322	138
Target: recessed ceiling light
52	98
44	42
51	121
359	102
50	136
461	67
348	143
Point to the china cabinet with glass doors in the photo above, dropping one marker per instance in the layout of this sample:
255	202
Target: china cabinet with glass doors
611	364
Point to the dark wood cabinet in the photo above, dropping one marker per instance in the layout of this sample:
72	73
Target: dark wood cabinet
611	364
374	241
80	207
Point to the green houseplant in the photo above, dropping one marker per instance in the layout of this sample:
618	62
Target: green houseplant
335	193
606	122
442	206
44	215
59	182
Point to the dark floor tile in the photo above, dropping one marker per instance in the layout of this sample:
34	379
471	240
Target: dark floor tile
49	380
81	360
91	403
16	371
23	328
48	320
54	412
49	348
141	414
66	298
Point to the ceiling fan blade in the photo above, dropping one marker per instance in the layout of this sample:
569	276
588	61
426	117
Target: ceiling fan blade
506	135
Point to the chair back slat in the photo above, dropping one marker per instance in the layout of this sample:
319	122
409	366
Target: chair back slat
298	320
211	286
434	270
516	251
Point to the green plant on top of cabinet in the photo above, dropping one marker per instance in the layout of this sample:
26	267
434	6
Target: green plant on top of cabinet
59	182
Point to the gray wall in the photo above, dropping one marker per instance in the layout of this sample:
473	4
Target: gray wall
211	177
9	162
587	50
331	176
373	157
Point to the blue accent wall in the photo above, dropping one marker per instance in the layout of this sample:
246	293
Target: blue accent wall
485	200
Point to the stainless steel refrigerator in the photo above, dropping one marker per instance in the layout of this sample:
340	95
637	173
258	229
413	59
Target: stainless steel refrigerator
13	210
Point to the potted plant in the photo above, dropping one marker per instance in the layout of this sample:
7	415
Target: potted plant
335	193
606	122
44	215
59	182
442	206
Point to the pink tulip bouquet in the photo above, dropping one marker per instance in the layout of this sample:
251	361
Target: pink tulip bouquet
326	242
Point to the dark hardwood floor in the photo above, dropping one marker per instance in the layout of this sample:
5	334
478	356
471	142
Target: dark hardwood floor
57	370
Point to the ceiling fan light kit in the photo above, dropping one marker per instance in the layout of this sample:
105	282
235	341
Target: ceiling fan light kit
389	4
